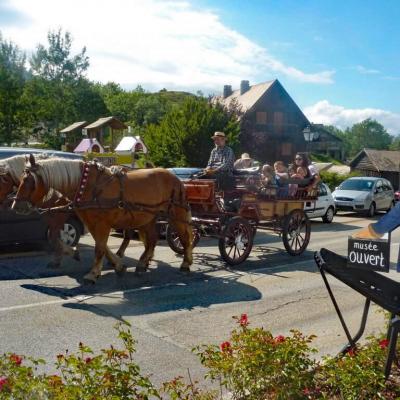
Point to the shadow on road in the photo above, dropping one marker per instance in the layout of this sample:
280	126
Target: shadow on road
162	289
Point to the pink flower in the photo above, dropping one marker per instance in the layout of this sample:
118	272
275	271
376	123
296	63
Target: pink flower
88	360
226	347
383	343
306	391
3	382
243	321
16	359
280	339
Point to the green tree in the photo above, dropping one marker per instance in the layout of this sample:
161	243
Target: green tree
183	137
56	61
368	134
395	145
12	80
58	93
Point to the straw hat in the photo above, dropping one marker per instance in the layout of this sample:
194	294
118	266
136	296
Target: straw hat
245	156
218	134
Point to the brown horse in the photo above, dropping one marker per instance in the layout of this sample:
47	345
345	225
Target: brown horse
105	200
11	169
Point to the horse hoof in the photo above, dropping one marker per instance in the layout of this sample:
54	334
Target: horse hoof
76	256
53	265
140	271
185	267
90	278
121	270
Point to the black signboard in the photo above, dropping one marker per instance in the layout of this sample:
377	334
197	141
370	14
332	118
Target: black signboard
369	254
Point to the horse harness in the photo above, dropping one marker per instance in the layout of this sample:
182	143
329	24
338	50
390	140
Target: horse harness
119	202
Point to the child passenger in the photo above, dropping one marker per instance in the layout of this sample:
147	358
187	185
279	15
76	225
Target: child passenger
268	180
282	176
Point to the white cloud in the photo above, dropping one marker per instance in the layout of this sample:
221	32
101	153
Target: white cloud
366	71
153	42
326	113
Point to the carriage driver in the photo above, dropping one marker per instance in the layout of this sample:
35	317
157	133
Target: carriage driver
221	159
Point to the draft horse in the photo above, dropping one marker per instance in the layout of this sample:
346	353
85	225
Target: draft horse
11	169
104	199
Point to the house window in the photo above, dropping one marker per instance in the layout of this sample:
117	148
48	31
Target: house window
261	117
278	118
286	149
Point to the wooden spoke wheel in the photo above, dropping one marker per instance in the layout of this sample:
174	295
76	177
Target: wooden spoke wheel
236	241
296	232
174	242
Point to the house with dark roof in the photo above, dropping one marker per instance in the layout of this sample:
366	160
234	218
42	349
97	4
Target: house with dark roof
325	142
383	163
271	122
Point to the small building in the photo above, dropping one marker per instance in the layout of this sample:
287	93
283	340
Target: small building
383	163
106	130
325	142
131	144
272	124
71	135
89	145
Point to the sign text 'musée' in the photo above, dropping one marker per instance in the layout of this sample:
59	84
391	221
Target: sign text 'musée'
369	254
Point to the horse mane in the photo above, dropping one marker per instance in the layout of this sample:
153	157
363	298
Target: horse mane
15	166
60	174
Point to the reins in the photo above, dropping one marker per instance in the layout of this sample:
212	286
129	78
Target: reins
105	204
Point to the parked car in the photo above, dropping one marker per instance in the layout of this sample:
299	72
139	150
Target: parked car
324	207
184	172
364	195
6	152
33	228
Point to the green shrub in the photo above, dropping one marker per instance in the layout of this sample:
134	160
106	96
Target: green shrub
357	375
254	363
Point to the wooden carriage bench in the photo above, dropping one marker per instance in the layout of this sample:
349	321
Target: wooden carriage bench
375	287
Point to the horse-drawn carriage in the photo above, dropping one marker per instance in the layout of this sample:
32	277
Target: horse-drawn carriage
233	216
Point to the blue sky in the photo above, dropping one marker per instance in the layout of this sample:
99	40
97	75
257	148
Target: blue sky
339	60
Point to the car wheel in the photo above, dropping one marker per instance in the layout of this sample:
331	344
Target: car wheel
392	204
328	217
372	210
71	233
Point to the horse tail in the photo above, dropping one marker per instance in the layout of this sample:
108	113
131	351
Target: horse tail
179	199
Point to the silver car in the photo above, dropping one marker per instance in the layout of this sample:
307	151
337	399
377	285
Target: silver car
365	195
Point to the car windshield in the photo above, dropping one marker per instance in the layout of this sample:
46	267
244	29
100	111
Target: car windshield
357	184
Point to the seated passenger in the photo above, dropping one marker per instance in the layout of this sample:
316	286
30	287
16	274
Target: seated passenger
281	178
301	160
268	180
300	173
244	162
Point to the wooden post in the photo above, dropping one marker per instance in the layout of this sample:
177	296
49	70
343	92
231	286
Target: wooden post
398	186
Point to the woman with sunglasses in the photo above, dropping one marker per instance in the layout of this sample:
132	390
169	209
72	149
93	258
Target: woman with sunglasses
301	161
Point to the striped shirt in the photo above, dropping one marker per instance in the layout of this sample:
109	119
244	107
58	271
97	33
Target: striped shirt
222	159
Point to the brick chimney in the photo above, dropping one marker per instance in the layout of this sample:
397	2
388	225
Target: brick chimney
244	87
227	91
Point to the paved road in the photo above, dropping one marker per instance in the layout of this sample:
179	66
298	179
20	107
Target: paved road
43	312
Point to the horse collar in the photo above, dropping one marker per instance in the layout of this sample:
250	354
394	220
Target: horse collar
82	183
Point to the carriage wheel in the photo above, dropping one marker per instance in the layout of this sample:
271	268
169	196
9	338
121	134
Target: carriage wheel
296	232
236	241
175	243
